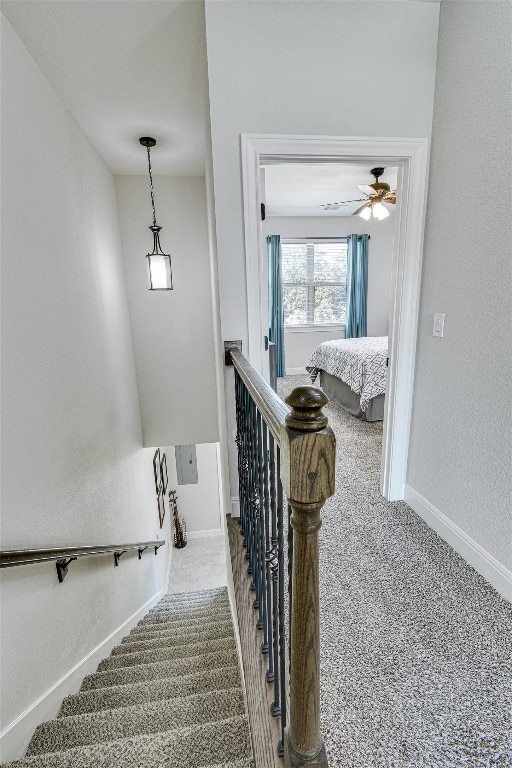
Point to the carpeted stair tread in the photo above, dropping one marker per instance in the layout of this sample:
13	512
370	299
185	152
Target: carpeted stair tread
116	696
184	603
169	696
151	631
164	617
179	621
189	609
149	717
197	595
160	669
171	640
199	746
167	654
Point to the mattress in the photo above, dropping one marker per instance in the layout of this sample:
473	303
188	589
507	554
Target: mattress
337	390
359	363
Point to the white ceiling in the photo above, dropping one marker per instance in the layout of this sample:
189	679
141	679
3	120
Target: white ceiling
125	69
298	189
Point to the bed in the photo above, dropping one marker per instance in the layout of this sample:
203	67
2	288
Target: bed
353	372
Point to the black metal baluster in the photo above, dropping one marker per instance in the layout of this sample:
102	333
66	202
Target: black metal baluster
245	465
253	499
263	517
267	545
257	512
273	560
282	642
250	489
239	443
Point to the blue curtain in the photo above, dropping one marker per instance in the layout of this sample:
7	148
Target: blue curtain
357	286
275	300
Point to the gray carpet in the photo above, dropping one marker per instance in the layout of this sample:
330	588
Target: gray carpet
416	647
169	696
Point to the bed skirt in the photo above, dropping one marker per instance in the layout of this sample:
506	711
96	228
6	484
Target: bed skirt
337	390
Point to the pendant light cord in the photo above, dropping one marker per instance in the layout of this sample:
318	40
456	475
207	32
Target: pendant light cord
151	188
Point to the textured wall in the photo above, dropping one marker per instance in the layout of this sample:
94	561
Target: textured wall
73	468
172	331
460	452
336	69
346	68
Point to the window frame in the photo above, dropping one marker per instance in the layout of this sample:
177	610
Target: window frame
310	284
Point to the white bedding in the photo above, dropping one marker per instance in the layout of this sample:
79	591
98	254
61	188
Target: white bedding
360	363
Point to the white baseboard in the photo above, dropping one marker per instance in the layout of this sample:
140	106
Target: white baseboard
204	534
235	506
15	738
474	554
296	372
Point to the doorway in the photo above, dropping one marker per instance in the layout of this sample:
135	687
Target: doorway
410	157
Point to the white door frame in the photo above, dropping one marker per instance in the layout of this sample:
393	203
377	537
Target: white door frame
411	157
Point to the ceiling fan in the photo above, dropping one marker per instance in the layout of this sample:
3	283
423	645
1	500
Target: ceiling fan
376	194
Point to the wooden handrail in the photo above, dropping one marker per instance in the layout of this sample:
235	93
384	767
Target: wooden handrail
307	461
62	556
271	407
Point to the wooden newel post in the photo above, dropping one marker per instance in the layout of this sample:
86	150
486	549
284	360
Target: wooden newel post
307	473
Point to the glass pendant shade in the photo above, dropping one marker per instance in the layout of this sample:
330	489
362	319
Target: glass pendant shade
159	265
379	211
366	213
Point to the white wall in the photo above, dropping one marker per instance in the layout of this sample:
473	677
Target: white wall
73	468
460	451
172	331
300	345
199	503
340	69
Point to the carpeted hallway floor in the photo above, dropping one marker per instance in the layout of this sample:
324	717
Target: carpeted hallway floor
415	646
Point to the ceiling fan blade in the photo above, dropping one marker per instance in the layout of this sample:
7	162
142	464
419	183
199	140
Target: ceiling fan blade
344	202
361	207
390	197
367	189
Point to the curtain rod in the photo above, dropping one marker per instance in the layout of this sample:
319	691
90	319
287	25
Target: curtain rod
311	237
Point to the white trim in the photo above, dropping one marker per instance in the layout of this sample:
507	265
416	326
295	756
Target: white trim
235	506
204	534
296	372
15	738
411	157
482	561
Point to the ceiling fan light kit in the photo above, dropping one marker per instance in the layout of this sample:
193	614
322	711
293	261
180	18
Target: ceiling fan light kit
159	263
376	194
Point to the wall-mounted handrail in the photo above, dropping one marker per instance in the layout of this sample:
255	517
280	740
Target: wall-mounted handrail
62	556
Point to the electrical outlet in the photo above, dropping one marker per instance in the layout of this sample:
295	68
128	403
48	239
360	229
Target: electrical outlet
438	329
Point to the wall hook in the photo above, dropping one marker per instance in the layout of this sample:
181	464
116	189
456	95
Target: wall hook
141	550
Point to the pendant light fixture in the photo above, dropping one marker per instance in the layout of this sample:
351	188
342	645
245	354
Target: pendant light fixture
159	263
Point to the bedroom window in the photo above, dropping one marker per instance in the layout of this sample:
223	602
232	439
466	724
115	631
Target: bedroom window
314	274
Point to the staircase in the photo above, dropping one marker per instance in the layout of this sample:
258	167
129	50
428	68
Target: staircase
169	695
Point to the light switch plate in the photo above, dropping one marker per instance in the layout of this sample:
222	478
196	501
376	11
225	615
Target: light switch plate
438	329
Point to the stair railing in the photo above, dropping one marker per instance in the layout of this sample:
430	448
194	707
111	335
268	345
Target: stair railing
63	556
286	460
